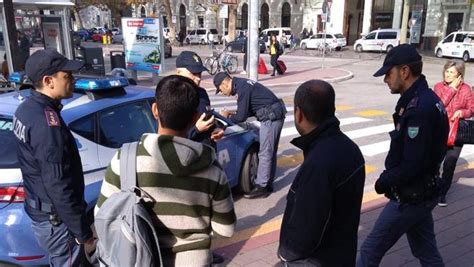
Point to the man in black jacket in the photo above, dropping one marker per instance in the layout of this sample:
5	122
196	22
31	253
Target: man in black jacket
417	148
322	215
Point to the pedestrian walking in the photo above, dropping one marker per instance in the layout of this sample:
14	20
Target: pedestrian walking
191	192
458	100
418	145
189	64
276	50
244	72
254	99
181	36
50	162
321	218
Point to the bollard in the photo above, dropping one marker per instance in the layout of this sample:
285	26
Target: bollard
109	39
104	39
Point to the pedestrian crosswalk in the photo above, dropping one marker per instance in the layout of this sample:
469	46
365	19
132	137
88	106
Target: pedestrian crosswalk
370	132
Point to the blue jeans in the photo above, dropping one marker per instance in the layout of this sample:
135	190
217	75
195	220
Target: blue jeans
59	243
396	219
269	137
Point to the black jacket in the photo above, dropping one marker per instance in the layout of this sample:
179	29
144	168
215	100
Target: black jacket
50	164
418	145
323	205
204	106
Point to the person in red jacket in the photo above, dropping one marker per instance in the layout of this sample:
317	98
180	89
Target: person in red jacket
458	100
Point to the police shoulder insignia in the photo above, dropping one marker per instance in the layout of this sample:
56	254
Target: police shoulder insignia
51	117
413	132
413	103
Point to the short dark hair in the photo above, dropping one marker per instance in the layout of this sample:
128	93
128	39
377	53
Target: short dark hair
416	68
316	99
177	99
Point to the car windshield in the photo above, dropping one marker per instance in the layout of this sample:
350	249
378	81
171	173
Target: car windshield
213	31
287	32
8	144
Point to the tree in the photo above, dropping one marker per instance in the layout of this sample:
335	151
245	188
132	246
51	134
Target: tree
171	24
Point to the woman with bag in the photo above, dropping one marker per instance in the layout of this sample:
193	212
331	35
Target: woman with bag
275	52
458	100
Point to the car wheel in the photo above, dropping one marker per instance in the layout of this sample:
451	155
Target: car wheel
248	173
359	48
304	46
229	48
439	53
466	56
389	47
203	42
188	41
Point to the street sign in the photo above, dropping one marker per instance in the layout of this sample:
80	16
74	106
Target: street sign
329	3
323	17
412	22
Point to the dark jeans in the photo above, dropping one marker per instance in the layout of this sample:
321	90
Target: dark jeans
269	137
245	60
396	219
273	62
449	165
59	243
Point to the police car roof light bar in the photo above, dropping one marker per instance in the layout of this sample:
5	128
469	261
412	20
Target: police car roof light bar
96	84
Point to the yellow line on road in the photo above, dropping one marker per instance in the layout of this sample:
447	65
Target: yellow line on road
371	113
343	107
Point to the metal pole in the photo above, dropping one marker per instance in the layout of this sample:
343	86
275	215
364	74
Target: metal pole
403	30
324	42
253	47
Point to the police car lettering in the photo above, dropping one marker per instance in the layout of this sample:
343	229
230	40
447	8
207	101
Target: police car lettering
6	126
224	157
51	117
19	129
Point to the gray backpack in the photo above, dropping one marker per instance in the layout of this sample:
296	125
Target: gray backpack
125	228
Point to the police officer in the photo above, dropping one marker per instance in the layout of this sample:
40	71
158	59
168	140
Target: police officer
418	145
189	65
50	162
254	99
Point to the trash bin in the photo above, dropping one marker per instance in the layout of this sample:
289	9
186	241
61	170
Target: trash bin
94	61
117	59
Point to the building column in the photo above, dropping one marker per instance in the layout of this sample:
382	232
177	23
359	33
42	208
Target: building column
367	16
397	14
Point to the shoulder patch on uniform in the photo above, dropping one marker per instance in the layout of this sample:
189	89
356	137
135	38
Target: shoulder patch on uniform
413	103
51	117
413	132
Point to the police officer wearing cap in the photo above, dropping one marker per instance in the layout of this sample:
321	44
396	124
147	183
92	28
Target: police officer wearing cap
254	99
189	65
409	181
50	161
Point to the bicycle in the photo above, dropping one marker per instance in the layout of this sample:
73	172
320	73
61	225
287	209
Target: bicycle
221	61
325	48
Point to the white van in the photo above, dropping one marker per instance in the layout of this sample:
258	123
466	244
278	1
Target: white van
378	40
283	35
199	36
456	44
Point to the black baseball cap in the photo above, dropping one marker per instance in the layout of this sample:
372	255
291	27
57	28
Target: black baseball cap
399	55
190	61
218	79
48	62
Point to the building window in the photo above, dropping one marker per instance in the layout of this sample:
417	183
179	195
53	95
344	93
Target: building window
264	17
244	14
201	21
142	12
286	15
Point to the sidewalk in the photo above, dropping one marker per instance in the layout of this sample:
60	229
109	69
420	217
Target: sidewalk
454	227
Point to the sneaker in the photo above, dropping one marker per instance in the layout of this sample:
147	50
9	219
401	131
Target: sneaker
243	72
442	201
257	192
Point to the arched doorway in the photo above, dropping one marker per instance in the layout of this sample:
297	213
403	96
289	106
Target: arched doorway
265	17
142	12
244	14
286	15
182	18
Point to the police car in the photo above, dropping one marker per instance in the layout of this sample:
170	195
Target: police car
102	115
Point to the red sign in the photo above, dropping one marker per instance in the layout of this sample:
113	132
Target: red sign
135	23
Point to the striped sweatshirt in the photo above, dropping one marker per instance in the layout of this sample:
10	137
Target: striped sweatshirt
193	199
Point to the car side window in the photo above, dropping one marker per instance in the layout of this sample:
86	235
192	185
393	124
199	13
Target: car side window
192	33
84	127
459	38
201	32
125	123
370	36
387	35
448	39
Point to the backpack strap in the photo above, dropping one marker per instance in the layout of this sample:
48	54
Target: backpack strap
128	165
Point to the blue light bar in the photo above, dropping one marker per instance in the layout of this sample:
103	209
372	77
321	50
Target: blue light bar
16	77
92	84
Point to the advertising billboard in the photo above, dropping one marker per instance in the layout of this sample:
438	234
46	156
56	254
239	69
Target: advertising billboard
142	44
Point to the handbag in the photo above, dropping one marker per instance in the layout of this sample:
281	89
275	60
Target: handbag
465	132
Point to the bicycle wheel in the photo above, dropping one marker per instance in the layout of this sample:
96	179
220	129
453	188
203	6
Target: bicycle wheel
232	64
211	65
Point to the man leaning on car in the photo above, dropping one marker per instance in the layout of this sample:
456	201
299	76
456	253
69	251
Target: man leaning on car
50	162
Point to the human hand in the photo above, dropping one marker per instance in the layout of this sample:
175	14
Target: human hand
457	114
217	134
204	125
225	113
456	82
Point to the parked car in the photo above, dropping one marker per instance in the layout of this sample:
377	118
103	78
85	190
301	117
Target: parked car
115	31
199	36
101	120
456	44
238	45
117	39
336	41
97	36
226	37
283	35
378	40
83	34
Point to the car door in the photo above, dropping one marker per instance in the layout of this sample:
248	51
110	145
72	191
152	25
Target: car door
447	45
457	45
370	42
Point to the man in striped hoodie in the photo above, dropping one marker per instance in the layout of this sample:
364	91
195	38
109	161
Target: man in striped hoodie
193	199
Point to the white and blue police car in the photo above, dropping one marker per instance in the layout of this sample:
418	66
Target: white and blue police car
103	114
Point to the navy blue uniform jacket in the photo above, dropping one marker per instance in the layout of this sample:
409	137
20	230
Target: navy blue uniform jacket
418	143
251	96
323	205
50	163
204	105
